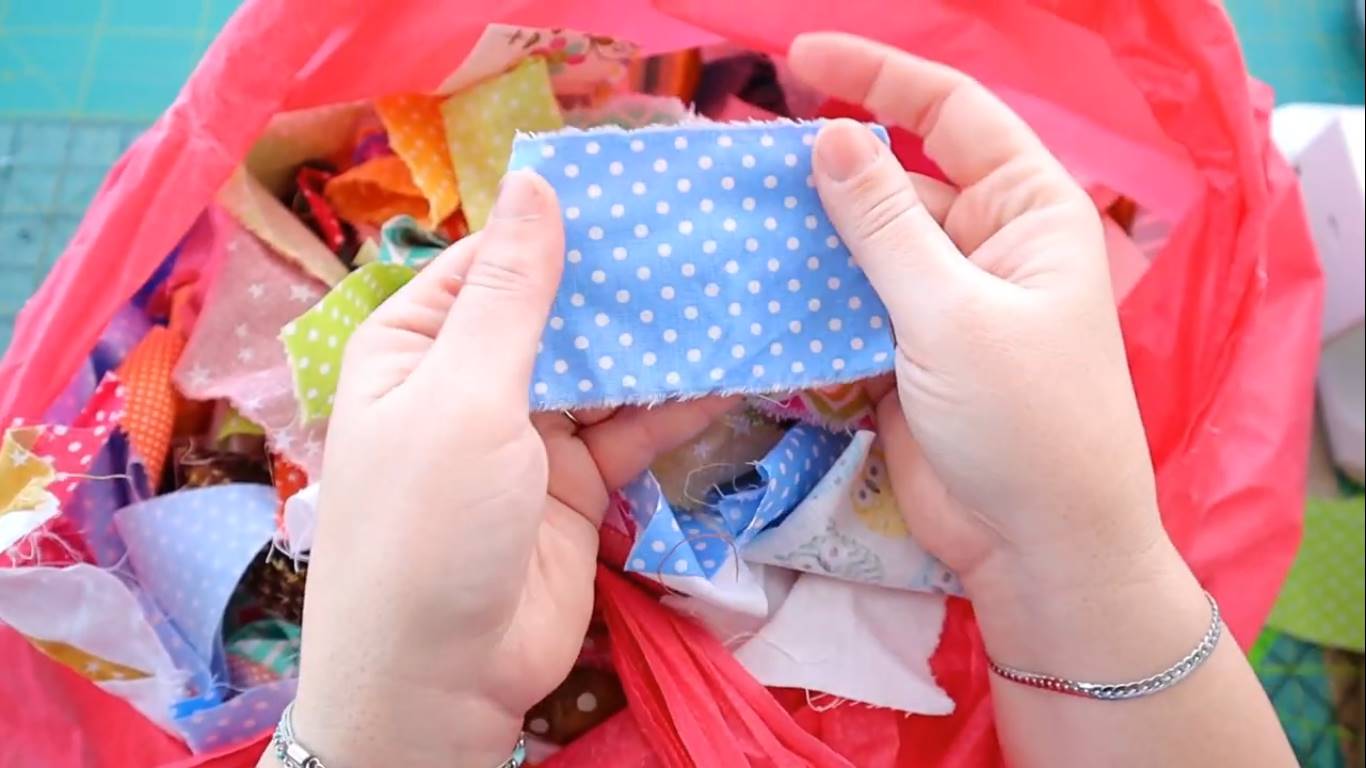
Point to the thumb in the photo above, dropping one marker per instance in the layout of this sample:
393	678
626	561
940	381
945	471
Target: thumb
493	328
911	262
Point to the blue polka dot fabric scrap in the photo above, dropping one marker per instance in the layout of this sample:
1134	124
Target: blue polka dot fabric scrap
698	260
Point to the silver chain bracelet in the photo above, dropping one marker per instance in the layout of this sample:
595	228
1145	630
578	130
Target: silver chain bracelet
292	754
1133	690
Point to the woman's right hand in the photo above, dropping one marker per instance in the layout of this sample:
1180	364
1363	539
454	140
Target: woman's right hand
1013	437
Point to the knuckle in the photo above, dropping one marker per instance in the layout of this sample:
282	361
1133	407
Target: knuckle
885	209
501	275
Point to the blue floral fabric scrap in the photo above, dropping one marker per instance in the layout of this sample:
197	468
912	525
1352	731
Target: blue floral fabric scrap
699	260
696	542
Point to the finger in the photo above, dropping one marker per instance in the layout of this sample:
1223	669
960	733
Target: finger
911	262
968	132
624	445
421	306
937	197
494	325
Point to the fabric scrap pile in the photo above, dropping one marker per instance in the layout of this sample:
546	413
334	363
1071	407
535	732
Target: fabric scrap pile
173	486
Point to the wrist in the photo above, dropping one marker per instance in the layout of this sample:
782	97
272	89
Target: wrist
369	725
1097	614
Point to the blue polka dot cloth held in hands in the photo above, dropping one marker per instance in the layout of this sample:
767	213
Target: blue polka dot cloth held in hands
698	260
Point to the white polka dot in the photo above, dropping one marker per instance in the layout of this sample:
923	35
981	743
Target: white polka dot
774	307
709	246
640	230
615	168
594	191
571	213
648	359
646	316
747	161
732	267
756	329
753	286
685	227
714	332
833	283
875	322
557	322
751	244
661	165
581	342
547	151
727	183
605	362
628	381
813	304
571	170
724	140
811	222
598	276
835	324
595	233
683	185
662	207
856	343
770	223
728	225
793	243
665	250
666	293
716	374
585	385
561	366
680	142
592	147
707	206
712	290
798	366
625	340
574	256
737	351
617	210
816	346
688	269
734	309
637	145
795	326
672	378
748	203
794	285
757	371
880	357
837	364
638	188
808	139
704	162
790	160
770	182
657	545
690	312
855	302
601	319
832	242
637	564
670	335
775	349
576	299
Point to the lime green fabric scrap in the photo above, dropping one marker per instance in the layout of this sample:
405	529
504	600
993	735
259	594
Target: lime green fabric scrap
481	122
314	341
1322	600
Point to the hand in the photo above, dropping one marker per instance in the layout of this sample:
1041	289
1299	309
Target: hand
451	581
1013	437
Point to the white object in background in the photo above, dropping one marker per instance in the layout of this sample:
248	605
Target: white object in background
300	521
1342	382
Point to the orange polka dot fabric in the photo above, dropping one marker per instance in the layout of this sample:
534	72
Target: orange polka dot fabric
290	478
376	191
417	134
151	401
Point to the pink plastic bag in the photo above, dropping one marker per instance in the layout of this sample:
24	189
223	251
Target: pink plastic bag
1150	100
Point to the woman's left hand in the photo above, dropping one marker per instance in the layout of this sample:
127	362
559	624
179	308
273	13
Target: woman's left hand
451	579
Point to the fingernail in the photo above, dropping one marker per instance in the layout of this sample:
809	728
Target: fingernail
844	149
518	196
